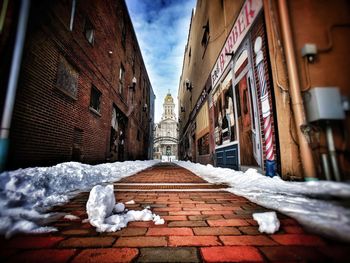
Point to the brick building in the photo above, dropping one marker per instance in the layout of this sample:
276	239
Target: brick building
83	91
257	87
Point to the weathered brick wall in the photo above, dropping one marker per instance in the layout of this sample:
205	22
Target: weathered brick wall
47	122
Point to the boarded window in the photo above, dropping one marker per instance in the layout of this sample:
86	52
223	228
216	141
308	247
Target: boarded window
67	78
78	137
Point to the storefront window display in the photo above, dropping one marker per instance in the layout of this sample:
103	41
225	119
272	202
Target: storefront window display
225	129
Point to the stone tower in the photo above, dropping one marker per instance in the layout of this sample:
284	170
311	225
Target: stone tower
168	107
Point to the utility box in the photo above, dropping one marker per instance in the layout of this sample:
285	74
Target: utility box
323	103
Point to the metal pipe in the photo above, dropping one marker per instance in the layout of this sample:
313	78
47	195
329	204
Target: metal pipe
325	166
332	152
294	90
13	79
3	14
72	14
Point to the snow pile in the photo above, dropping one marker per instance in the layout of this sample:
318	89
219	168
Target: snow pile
71	217
268	222
321	206
107	216
25	194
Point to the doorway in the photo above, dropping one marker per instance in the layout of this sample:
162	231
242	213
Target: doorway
247	110
117	135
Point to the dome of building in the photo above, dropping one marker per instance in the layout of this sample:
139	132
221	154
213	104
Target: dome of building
168	98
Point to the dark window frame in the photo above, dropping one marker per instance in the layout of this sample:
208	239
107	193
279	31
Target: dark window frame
121	78
95	100
89	31
205	37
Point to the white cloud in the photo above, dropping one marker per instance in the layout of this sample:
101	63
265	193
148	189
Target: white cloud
162	28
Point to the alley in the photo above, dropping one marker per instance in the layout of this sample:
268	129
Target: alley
203	222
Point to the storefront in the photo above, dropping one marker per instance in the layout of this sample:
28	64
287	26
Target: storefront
240	100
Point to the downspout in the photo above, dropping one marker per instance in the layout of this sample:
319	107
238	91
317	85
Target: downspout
294	90
12	83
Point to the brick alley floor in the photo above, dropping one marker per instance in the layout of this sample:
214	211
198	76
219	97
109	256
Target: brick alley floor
203	224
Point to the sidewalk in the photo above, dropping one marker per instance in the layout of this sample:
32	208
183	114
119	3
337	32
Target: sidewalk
203	223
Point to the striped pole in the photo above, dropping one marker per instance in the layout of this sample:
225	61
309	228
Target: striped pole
265	106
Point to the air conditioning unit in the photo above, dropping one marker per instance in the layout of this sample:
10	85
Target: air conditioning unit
323	103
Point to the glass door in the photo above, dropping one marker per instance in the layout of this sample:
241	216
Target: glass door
254	119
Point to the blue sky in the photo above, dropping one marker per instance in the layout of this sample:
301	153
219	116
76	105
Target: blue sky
161	27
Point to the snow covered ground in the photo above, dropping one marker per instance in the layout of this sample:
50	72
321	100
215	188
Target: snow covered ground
321	206
26	194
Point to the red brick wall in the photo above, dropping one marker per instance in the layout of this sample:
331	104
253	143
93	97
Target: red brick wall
44	117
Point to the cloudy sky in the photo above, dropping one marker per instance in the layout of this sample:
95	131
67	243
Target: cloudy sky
162	27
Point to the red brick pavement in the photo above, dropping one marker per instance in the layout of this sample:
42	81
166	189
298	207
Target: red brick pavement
201	226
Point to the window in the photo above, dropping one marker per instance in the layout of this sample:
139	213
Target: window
95	100
123	29
138	137
133	59
205	38
89	31
203	145
121	78
67	78
144	88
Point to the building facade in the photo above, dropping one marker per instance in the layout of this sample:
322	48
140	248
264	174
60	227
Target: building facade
83	91
166	133
260	87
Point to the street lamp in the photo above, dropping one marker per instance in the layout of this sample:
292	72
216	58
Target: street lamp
132	87
144	108
188	85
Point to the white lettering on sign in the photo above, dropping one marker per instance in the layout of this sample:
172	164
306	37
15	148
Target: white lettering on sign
240	28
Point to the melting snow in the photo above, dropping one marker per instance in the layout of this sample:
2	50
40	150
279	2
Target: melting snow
318	205
26	194
71	217
107	216
268	222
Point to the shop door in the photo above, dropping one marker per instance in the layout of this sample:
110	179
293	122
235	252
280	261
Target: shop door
246	139
254	119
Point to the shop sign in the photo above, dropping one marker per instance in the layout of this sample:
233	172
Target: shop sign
201	99
245	19
199	103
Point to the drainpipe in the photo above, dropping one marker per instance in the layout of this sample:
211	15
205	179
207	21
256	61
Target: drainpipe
294	89
12	83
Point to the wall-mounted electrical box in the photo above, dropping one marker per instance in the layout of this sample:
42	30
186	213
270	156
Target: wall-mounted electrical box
323	103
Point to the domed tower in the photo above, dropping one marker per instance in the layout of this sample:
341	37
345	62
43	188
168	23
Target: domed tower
168	107
165	143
